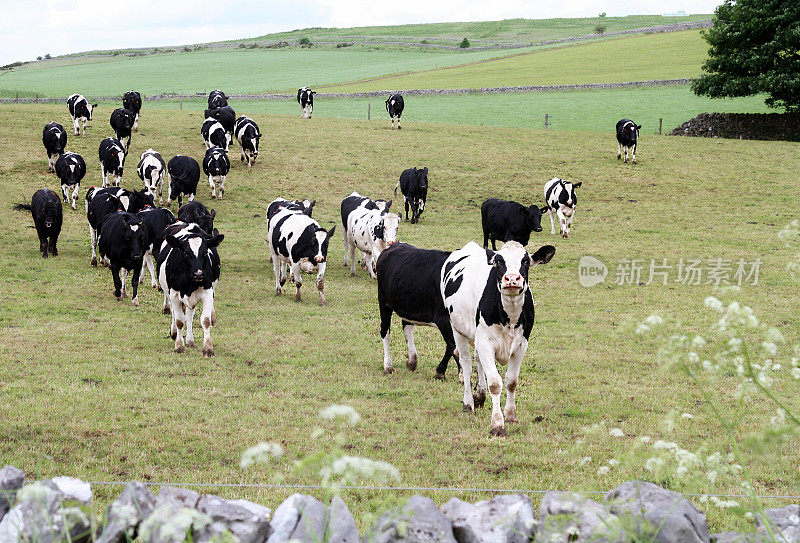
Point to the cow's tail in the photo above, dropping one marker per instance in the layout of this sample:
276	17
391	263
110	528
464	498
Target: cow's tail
395	188
22	207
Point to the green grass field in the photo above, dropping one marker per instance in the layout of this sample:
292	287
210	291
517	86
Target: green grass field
92	388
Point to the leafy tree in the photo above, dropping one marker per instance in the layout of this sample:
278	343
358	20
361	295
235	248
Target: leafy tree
754	48
600	29
47	56
305	41
603	14
464	43
39	58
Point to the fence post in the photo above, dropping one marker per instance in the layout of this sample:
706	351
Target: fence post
181	104
546	121
369	110
17	100
660	122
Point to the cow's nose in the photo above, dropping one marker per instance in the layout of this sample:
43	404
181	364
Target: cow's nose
539	229
512	280
320	259
198	274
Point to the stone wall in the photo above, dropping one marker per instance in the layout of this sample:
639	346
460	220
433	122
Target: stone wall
748	126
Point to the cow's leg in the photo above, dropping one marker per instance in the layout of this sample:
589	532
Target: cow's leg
398	123
569	222
450	347
136	273
75	197
352	251
123	272
104	175
64	192
320	283
386	323
346	246
117	282
189	312
465	361
405	200
633	152
619	150
278	268
222	187
297	279
207	320
191	197
136	123
493	379
512	377
84	128
42	242
408	330
552	222
213	187
165	308
93	243
53	248
480	390
562	221
160	190
625	148
76	126
179	320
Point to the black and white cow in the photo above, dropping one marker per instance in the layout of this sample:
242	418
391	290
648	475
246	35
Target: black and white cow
45	207
122	121
54	138
306	207
370	231
408	284
305	97
216	166
509	221
216	99
627	138
132	101
414	186
151	170
195	212
297	240
81	111
394	106
154	220
226	116
248	134
101	202
184	174
214	134
188	273
489	301
561	202
70	169
112	160
123	241
353	202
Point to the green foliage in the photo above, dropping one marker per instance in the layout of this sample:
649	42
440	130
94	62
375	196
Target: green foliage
47	56
39	57
305	41
602	14
464	43
754	48
600	29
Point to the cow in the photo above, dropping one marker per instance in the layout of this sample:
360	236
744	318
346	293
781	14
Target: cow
188	273
509	221
70	169
305	97
151	170
196	212
132	101
45	207
305	207
413	184
112	160
184	174
104	201
81	111
248	134
408	284
54	138
122	241
216	166
351	203
217	99
122	121
297	240
154	220
489	302
225	115
214	134
627	138
394	106
561	202
370	231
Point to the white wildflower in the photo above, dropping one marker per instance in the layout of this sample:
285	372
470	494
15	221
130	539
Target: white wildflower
687	416
616	432
749	515
345	411
693	357
348	469
774	335
712	476
585	460
796	373
779	418
653	464
770	347
713	303
613	462
642	329
260	454
698	342
645	439
603	470
654	320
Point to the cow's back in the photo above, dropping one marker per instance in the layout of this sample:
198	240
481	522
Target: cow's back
408	281
463	279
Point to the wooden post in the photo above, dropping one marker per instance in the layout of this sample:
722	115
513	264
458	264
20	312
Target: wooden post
181	104
17	100
660	122
546	121
37	98
369	110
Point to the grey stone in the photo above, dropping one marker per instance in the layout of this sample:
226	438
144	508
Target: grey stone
173	495
418	521
651	511
566	516
784	524
737	537
247	523
299	517
11	480
508	518
126	513
173	523
342	526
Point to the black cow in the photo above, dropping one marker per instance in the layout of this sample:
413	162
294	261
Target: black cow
155	220
408	284
248	134
188	272
122	122
122	241
81	111
509	221
196	212
305	207
54	138
225	115
394	106
184	174
216	166
70	169
104	201
627	138
112	160
45	207
414	186
305	97
214	134
216	99
132	101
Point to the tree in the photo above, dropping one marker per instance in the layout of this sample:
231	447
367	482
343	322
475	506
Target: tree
600	29
47	56
754	48
305	42
603	14
464	43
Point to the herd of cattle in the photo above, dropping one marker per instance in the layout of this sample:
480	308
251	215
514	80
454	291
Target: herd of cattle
474	296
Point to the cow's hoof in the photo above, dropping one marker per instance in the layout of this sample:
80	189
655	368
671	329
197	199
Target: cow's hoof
512	418
44	255
387	371
634	162
411	364
278	292
500	431
298	298
135	302
479	398
467	408
439	376
94	262
119	298
352	274
213	195
190	343
619	157
166	311
180	349
208	353
173	335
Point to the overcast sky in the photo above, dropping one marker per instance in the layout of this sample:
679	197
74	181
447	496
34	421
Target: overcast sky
33	28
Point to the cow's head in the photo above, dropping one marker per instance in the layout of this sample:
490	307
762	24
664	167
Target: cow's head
139	200
386	229
203	220
512	263
134	236
307	205
89	109
51	211
320	247
568	197
193	251
383	205
631	130
534	218
254	142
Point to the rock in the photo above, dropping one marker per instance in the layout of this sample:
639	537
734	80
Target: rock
566	516
508	518
418	521
173	523
11	480
299	517
247	523
668	516
74	489
784	524
342	526
737	537
126	513
172	495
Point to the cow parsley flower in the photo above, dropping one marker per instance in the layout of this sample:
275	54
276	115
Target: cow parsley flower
344	411
603	470
714	303
261	454
770	347
616	432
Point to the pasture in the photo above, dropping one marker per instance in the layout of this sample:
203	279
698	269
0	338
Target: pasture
92	388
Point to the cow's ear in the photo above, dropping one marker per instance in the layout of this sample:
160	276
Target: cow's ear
331	231
544	209
490	256
313	203
216	240
543	255
212	213
174	242
388	205
578	184
94	106
638	127
426	170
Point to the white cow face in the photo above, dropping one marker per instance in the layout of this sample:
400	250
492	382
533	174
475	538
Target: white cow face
390	224
513	263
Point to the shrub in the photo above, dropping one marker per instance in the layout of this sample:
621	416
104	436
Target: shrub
600	29
305	42
603	14
464	43
47	56
39	58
